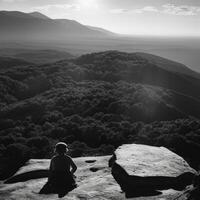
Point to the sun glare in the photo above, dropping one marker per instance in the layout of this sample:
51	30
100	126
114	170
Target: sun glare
88	3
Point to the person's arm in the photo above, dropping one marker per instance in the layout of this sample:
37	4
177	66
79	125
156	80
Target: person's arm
50	166
73	166
50	171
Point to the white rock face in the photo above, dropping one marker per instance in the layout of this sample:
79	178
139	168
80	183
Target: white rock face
100	185
91	185
144	160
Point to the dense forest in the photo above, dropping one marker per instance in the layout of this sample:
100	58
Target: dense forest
95	103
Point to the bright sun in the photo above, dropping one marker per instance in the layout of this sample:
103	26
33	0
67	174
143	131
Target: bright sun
88	3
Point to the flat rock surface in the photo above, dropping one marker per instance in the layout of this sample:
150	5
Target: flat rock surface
144	160
98	185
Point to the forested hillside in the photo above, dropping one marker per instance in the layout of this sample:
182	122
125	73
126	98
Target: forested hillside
95	103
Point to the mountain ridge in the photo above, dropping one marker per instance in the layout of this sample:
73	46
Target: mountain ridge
7	62
17	25
169	65
166	91
38	15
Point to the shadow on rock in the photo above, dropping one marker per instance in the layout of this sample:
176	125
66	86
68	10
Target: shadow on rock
58	184
48	188
41	173
136	186
194	194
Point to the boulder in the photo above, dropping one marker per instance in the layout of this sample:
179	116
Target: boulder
144	170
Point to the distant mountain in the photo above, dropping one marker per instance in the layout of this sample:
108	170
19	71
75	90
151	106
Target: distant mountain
37	56
134	67
7	62
31	26
74	28
169	65
102	30
38	15
43	56
35	30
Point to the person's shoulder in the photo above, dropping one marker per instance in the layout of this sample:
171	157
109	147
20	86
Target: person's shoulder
54	157
68	157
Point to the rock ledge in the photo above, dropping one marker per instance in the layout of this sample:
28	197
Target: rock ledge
145	170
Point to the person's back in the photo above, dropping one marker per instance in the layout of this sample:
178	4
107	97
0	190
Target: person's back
61	170
61	163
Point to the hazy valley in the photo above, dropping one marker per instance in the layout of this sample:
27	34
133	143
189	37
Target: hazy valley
35	31
94	89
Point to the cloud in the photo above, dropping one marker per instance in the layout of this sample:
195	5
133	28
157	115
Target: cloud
11	1
79	5
184	10
119	11
138	10
146	9
8	1
54	7
171	9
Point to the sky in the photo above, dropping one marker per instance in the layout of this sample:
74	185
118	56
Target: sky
132	17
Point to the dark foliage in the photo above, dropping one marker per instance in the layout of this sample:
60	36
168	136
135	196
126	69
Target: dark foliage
96	103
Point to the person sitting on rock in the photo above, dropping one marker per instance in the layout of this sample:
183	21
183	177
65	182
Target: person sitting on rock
61	172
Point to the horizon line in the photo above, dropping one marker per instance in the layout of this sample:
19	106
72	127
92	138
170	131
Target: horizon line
129	35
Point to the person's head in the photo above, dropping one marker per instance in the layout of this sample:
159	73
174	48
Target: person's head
61	148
